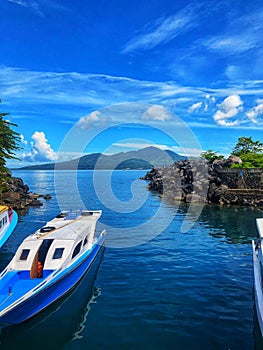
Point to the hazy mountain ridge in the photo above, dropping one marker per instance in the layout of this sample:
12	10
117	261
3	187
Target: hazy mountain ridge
145	158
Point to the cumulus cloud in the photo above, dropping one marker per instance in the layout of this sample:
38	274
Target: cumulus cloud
94	118
229	108
23	140
195	107
41	150
255	111
157	113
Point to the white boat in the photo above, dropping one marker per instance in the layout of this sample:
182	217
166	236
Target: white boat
8	221
258	273
48	264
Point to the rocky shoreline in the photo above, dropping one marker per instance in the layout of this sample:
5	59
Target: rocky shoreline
216	183
17	195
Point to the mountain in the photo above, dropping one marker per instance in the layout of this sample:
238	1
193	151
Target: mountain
145	158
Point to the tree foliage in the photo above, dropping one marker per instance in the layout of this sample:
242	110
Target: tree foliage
246	145
250	160
9	140
250	152
210	156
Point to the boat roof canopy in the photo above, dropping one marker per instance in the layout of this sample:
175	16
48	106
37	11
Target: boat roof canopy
68	227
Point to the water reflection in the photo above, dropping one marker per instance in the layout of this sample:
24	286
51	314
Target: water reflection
234	225
60	323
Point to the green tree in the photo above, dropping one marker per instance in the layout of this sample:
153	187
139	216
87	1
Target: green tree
250	152
9	140
210	156
246	145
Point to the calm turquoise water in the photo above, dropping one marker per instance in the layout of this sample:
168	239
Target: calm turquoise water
190	290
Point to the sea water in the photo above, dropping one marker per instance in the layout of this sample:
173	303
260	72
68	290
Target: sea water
166	289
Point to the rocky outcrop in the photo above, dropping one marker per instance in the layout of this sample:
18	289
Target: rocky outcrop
198	181
18	196
232	160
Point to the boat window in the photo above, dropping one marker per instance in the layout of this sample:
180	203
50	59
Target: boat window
47	229
58	253
61	215
24	254
76	250
85	241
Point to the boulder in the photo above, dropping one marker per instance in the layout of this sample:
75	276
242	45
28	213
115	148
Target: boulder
232	160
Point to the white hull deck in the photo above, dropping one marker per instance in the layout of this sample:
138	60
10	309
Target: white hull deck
257	247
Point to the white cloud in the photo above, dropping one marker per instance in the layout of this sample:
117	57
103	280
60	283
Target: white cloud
195	107
229	108
32	4
157	113
92	90
94	118
242	34
209	98
88	121
23	140
204	106
209	102
255	111
33	94
19	2
41	151
231	45
37	6
164	30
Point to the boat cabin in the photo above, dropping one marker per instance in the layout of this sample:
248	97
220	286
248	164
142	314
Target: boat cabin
56	245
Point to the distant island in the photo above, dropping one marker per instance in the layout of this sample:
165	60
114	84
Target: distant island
145	158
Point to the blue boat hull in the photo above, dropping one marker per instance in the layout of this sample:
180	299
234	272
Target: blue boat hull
54	292
9	230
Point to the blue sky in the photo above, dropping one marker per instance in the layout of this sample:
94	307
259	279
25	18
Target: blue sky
121	75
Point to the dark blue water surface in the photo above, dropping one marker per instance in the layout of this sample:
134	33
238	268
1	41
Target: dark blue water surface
190	290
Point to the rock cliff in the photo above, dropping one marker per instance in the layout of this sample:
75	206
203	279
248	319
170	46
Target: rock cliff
18	196
198	181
